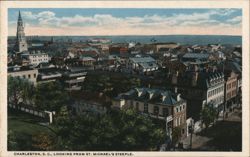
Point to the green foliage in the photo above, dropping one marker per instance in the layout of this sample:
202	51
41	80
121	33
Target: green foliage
50	96
176	135
125	130
19	90
110	84
208	115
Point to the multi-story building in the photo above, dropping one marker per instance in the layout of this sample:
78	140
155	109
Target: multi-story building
199	89
141	65
36	58
164	105
24	73
230	88
49	74
73	78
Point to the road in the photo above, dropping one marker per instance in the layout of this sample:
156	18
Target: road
204	141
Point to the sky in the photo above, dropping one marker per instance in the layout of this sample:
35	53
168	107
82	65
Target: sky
129	21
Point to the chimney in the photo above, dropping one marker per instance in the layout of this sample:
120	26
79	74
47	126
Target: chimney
175	89
163	97
175	78
178	97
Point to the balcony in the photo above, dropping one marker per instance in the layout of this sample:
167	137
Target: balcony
76	74
168	118
50	76
75	81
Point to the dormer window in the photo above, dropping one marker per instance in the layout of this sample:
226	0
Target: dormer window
163	98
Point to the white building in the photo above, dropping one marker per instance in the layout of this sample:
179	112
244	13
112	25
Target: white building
36	58
215	89
141	65
24	73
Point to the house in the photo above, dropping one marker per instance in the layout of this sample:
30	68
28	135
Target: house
230	89
73	78
200	88
196	58
36	58
24	72
87	61
48	74
156	103
141	65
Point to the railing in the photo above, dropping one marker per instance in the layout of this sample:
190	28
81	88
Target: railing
75	80
50	76
76	74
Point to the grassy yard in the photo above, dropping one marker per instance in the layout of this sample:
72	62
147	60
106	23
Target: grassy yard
25	123
22	127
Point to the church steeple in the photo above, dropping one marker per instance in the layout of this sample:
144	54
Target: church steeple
21	44
19	16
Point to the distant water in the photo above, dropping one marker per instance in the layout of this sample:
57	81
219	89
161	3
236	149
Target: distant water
182	39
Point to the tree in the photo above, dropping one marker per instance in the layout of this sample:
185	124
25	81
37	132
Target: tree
176	135
19	90
50	96
12	141
116	130
208	115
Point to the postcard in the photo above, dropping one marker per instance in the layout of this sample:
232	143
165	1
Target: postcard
123	78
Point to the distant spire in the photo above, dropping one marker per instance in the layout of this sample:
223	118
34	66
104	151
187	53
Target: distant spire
19	16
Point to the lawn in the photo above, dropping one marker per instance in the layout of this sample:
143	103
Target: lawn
25	123
22	127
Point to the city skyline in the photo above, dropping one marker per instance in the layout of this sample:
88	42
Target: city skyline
129	21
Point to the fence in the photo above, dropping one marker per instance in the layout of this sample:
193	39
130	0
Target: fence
47	115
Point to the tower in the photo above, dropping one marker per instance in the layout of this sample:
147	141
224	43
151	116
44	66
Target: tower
21	44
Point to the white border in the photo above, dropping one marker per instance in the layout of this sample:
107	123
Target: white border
244	4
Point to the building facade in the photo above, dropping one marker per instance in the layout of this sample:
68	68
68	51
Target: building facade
24	73
36	58
141	65
199	89
164	105
73	79
230	88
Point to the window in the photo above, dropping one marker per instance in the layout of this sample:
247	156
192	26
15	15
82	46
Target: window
146	108
177	109
34	75
131	103
137	106
176	122
165	112
156	110
29	76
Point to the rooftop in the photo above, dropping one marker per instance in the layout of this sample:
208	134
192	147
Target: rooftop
156	96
